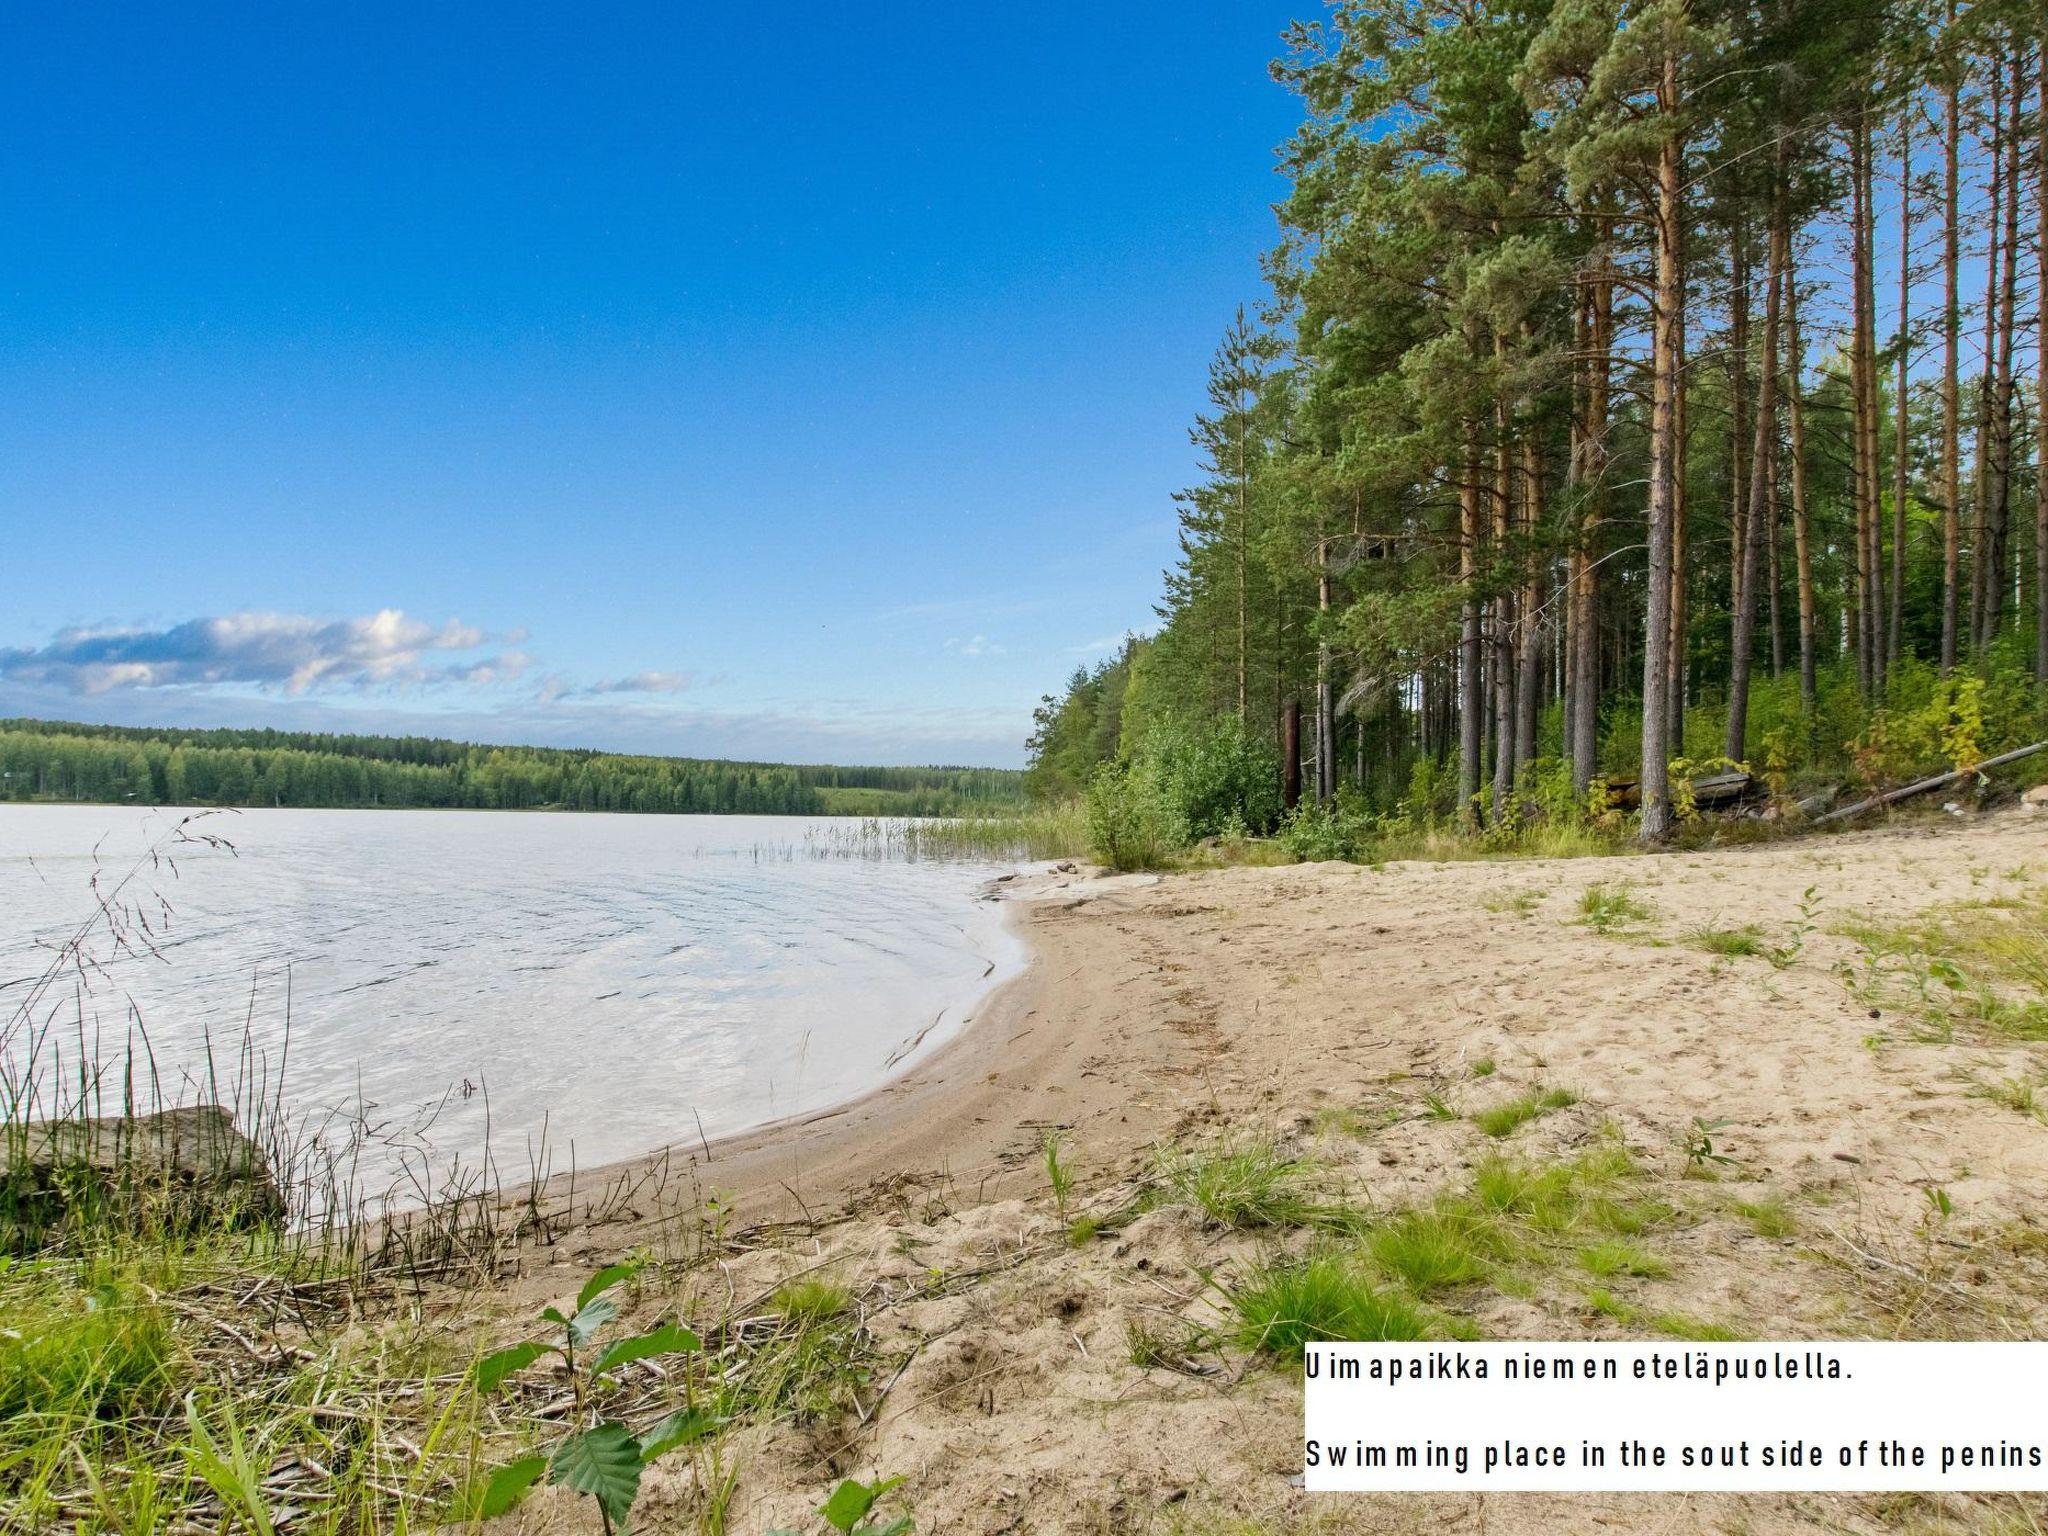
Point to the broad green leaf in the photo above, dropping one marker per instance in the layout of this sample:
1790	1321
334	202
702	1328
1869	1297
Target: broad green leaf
895	1527
496	1366
603	1462
553	1315
668	1339
686	1426
851	1501
589	1319
606	1278
508	1485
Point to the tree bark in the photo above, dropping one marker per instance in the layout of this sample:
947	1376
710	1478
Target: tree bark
1471	702
1585	743
2041	364
1655	775
1802	527
1982	563
1751	561
1681	617
1951	386
1896	640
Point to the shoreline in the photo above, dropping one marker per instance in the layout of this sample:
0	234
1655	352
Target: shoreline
962	1112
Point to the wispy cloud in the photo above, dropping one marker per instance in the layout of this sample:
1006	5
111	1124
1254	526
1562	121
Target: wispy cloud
974	645
283	651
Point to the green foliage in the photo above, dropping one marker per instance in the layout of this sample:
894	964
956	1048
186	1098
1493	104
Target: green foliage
1212	779
1699	1147
597	1456
52	760
849	1505
1127	824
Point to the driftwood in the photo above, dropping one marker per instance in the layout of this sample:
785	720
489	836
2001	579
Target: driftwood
1921	788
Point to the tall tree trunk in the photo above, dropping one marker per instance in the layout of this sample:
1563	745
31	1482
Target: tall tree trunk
1751	560
1471	702
1585	743
1678	650
1802	526
1666	363
1529	685
1501	654
1738	418
1863	377
1951	331
1982	563
2041	364
1895	644
2002	384
1326	715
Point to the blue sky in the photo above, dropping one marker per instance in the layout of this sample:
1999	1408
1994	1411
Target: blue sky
804	384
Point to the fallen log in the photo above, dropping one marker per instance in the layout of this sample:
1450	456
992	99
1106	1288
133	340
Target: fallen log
1893	796
1708	793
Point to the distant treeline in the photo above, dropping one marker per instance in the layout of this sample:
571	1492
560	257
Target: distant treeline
62	761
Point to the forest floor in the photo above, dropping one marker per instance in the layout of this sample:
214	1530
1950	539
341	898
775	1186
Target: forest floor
1785	1091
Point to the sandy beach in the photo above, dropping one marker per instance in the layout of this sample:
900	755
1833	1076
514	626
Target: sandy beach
1354	1021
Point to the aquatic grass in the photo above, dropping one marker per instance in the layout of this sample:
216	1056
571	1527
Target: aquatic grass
1058	831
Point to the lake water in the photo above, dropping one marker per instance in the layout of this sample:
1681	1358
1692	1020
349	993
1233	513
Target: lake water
625	982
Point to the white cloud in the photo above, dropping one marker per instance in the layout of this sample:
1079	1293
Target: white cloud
977	645
283	651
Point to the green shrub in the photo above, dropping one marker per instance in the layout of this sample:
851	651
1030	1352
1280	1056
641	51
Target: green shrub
1127	826
1213	778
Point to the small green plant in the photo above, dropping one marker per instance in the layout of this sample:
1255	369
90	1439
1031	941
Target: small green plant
1057	1173
1939	1206
1605	908
1434	1107
847	1510
1485	1066
1082	1231
1700	1151
1783	955
599	1456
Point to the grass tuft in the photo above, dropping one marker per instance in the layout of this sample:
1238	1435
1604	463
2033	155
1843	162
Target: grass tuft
1252	1185
1283	1308
1507	1118
1605	908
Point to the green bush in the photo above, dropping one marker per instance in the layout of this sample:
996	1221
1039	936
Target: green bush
1126	822
1212	779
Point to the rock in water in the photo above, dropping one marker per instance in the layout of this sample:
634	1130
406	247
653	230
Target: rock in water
182	1169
